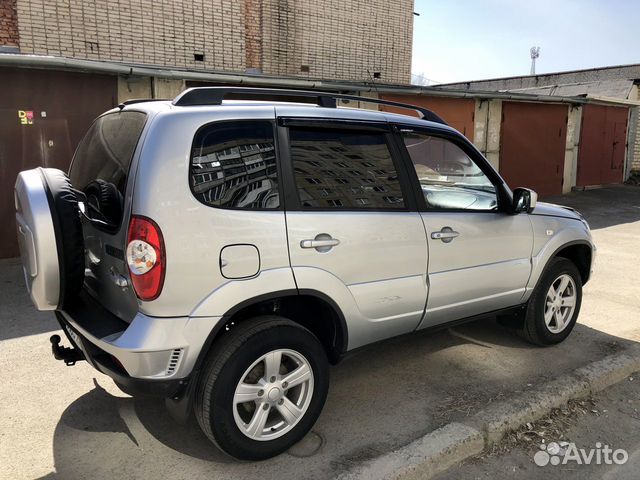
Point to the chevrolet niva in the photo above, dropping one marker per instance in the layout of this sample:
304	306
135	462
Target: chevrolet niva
221	250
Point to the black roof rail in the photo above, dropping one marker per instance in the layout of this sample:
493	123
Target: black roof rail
215	96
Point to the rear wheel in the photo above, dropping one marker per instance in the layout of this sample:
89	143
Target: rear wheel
263	387
554	305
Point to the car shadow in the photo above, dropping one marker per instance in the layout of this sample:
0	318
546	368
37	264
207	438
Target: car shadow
430	379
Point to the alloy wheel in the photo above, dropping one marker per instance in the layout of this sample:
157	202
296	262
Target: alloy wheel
273	394
560	303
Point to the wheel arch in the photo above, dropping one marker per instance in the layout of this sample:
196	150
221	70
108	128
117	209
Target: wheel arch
580	254
579	251
310	308
327	322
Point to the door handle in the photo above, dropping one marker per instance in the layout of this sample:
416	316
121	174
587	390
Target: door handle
446	234
322	243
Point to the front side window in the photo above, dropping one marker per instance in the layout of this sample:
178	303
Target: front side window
449	178
233	165
330	166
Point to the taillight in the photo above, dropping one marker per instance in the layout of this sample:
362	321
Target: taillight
146	257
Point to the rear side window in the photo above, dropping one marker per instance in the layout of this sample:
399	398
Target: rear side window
337	169
233	165
101	163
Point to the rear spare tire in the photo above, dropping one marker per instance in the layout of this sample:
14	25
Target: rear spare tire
50	237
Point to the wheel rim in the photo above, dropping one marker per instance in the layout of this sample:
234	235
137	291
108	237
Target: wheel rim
273	394
560	303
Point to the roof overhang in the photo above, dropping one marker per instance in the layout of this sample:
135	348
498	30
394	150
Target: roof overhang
238	79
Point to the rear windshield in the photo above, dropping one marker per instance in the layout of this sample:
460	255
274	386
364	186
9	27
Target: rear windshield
102	160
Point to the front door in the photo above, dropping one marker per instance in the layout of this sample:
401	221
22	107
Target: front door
479	256
354	235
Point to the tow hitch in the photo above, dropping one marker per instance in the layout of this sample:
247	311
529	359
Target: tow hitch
69	355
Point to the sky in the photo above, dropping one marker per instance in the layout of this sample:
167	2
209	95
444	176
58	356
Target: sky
458	40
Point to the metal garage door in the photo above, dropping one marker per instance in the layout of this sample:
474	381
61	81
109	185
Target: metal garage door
532	145
603	136
457	112
43	116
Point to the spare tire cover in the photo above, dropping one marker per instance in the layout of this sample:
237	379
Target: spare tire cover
50	237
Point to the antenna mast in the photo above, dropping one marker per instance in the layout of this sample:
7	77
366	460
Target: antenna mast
535	53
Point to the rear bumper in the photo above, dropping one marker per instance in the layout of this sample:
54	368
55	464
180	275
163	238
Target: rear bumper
151	355
105	363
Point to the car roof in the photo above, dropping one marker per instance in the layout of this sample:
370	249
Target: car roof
283	109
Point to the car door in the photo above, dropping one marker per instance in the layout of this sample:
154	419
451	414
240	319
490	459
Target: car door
355	236
479	255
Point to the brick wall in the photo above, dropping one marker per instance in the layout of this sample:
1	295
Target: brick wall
559	78
339	39
635	156
166	32
8	23
333	39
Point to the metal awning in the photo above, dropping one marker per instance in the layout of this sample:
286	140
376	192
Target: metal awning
115	68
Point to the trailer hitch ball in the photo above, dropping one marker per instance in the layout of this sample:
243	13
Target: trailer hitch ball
69	355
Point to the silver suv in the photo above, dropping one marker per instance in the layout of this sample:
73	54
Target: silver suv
222	249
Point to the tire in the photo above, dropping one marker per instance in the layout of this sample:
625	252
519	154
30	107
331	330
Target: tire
107	200
235	355
63	205
535	329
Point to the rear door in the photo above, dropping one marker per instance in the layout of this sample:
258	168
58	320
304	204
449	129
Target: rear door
479	256
100	169
353	231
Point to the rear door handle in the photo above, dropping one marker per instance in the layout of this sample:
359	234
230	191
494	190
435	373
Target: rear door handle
446	234
322	243
319	243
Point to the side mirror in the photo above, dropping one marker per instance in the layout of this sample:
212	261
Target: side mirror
524	200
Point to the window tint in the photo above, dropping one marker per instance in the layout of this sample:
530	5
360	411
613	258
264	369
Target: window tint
340	169
448	177
101	163
233	165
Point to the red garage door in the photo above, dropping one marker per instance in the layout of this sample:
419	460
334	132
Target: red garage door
56	108
532	145
457	112
603	137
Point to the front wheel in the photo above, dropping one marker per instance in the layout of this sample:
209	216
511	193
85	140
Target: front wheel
554	305
263	388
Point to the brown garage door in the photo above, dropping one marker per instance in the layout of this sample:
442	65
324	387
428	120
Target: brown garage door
457	112
532	145
603	137
63	105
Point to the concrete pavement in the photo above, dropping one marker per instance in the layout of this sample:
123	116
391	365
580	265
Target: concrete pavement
610	418
60	422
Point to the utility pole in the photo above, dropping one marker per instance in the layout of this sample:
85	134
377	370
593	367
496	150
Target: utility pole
535	53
